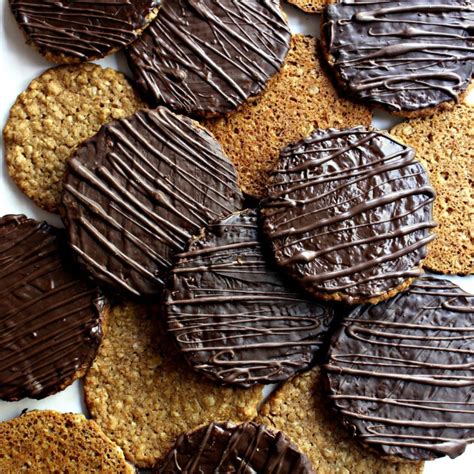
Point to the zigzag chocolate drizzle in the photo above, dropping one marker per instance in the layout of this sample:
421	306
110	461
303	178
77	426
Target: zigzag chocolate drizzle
207	57
82	29
349	212
404	55
222	447
49	315
401	372
138	190
233	315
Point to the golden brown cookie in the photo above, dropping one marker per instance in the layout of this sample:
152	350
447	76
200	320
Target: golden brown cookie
310	6
59	110
47	441
300	409
444	144
143	395
298	100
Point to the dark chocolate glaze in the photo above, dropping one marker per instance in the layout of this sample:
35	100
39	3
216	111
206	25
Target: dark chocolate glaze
349	212
206	57
231	313
136	192
401	373
404	55
50	316
225	448
82	29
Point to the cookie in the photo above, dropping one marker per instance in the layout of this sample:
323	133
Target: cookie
310	6
300	409
205	59
47	441
232	314
50	316
298	100
348	214
410	58
136	192
223	447
60	109
143	395
444	146
400	373
72	32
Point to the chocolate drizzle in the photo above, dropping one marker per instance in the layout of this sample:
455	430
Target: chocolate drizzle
138	190
401	372
349	212
49	317
82	29
404	55
207	57
222	447
232	314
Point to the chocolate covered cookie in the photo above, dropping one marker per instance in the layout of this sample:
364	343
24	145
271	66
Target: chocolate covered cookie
206	58
400	373
223	447
233	315
136	192
348	214
82	30
50	316
409	57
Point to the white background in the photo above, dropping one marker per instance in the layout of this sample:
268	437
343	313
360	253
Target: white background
19	64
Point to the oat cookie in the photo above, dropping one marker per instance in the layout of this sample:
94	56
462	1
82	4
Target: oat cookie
47	441
298	100
301	409
310	6
444	144
143	395
58	110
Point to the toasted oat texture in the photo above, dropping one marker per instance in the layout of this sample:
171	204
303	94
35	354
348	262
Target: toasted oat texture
46	441
444	144
310	6
300	409
60	109
143	394
298	100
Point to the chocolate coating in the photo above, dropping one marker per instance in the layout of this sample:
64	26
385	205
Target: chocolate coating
136	192
206	57
231	313
401	373
405	55
222	447
349	213
50	317
82	29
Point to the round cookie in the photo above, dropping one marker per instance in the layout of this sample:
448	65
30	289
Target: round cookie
207	58
410	58
60	109
298	100
47	441
348	214
300	409
400	373
232	314
444	145
81	30
310	6
50	317
223	447
136	192
143	395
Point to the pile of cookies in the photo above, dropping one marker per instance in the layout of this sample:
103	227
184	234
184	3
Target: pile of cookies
232	221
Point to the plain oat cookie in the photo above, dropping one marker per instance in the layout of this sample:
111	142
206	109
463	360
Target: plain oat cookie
144	396
58	110
301	410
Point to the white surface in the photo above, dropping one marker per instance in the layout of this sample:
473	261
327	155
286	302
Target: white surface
19	64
